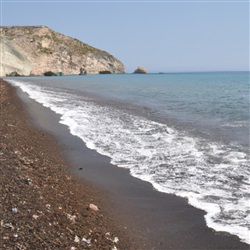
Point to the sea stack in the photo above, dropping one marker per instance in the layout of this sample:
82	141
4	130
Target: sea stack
140	70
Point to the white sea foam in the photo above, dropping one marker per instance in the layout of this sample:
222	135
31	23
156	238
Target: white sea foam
214	177
236	124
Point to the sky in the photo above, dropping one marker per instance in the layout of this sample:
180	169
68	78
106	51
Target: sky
161	36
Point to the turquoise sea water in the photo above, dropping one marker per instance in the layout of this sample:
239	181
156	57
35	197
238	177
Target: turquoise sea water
187	134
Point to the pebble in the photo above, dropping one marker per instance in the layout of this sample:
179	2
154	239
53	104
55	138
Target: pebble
14	210
116	240
77	239
71	217
8	225
28	181
93	207
48	206
88	242
35	216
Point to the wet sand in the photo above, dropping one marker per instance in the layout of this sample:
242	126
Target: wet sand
149	219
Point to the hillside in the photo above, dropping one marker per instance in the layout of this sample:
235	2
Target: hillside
33	50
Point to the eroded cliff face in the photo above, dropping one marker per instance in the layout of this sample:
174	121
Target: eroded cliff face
47	50
16	59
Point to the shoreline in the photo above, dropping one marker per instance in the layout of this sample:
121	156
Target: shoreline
43	205
141	212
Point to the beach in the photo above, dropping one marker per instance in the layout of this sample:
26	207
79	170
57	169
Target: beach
49	179
43	207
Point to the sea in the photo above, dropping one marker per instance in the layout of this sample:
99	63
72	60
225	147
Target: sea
188	134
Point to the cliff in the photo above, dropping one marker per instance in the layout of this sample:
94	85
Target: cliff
13	59
33	50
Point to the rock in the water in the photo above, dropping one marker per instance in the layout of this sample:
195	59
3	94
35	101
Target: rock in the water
83	71
140	70
13	74
105	72
49	73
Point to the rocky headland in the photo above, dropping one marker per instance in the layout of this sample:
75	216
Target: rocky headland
34	50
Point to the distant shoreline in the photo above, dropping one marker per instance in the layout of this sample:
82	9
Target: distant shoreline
149	73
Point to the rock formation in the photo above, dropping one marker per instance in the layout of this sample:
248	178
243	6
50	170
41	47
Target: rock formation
104	72
140	70
83	71
34	50
13	59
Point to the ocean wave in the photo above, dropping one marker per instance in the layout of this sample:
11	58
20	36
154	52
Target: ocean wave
236	124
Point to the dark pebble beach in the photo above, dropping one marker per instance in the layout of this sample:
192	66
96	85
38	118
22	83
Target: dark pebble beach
42	205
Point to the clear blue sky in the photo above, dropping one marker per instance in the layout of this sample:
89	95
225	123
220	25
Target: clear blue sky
169	36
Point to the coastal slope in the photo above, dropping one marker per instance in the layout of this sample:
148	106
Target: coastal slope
43	49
